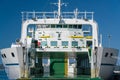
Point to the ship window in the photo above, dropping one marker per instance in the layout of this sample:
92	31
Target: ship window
59	26
47	26
4	55
12	54
64	26
53	43
44	43
45	60
74	43
70	26
87	30
53	26
111	54
106	54
79	26
75	26
64	43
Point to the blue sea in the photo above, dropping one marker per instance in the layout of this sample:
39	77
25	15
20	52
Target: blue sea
3	75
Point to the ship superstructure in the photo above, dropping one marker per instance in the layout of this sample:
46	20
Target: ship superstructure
58	45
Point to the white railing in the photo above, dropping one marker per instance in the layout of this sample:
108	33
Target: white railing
64	15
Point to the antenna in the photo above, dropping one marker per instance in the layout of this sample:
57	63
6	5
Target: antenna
76	13
59	8
59	4
109	38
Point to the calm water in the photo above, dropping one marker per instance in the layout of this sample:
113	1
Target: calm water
3	75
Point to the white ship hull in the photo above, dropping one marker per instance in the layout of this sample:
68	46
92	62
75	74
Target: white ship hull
107	62
12	59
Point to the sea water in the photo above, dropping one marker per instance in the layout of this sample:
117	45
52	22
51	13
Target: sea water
3	75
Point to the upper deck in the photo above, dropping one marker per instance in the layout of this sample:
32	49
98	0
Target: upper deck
57	20
54	15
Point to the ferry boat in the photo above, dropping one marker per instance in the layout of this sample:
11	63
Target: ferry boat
59	45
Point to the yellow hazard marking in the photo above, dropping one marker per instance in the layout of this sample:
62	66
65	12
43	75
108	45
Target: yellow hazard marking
76	37
45	37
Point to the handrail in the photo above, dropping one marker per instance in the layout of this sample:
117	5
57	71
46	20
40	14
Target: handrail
54	15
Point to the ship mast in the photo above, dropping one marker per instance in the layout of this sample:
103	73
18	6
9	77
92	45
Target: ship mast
59	4
59	8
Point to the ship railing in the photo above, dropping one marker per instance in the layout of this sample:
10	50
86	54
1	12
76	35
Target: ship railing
54	15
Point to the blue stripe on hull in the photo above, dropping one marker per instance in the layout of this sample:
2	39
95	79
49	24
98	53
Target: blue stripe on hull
12	64
105	64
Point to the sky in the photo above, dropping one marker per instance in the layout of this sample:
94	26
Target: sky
106	14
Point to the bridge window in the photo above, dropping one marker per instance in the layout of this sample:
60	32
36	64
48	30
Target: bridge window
70	26
74	43
59	26
30	30
47	26
79	26
53	43
87	29
44	43
75	26
53	26
64	26
64	43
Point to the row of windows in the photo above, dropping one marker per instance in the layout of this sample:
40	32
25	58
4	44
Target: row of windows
4	55
108	54
60	26
64	43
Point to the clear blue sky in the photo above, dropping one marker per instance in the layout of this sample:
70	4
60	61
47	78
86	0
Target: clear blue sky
107	15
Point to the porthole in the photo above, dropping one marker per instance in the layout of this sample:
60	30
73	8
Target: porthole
111	54
4	55
12	54
106	54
